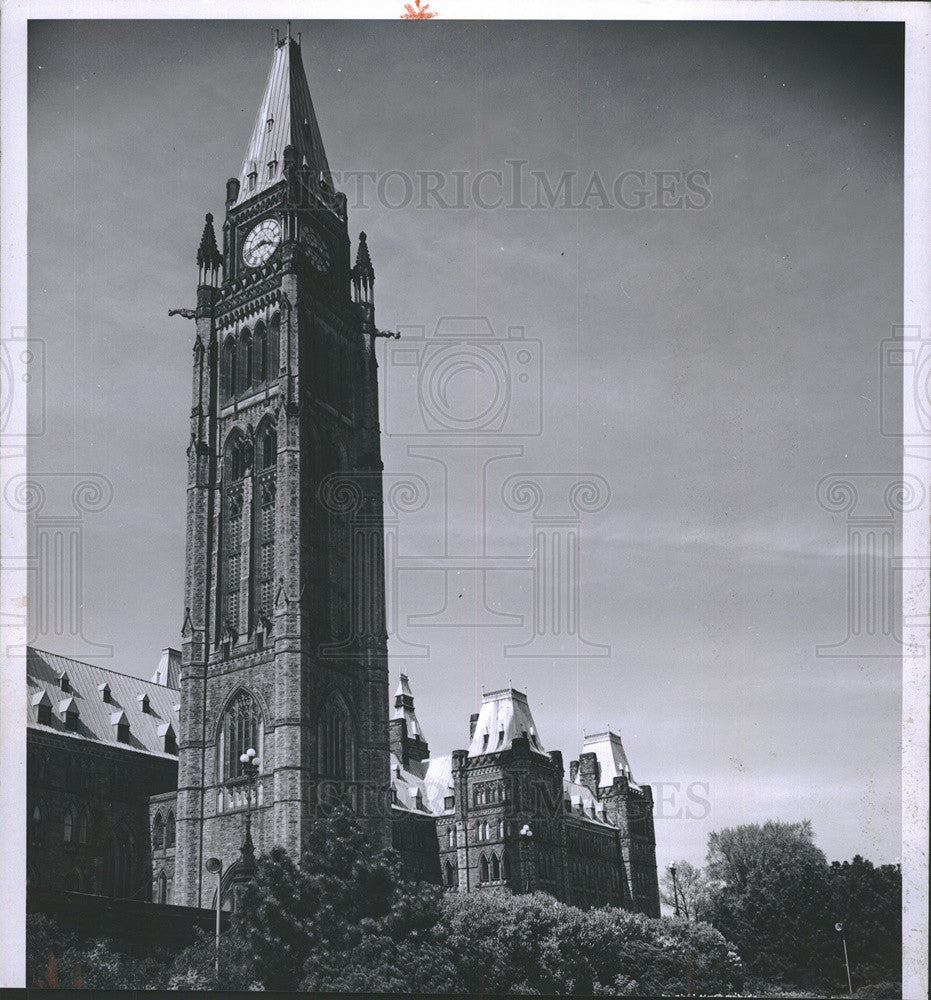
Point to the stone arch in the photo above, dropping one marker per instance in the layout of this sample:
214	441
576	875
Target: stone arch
240	725
228	367
336	744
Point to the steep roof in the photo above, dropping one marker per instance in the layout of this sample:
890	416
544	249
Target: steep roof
504	715
404	708
609	751
432	778
285	118
98	719
168	671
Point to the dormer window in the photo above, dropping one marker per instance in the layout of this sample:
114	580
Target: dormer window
68	711
166	734
272	168
64	683
43	706
121	724
269	124
144	704
104	690
449	802
418	800
485	742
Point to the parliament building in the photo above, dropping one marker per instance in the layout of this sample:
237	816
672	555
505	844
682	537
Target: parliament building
134	785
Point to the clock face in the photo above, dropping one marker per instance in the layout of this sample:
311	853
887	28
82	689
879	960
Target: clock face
316	249
261	242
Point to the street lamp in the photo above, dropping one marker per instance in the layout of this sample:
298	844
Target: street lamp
675	889
249	769
526	841
215	867
839	927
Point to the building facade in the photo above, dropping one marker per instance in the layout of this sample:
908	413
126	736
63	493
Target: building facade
284	647
284	643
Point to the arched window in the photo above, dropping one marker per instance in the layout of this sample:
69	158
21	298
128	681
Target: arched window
260	355
35	826
495	868
75	881
271	349
121	864
334	742
69	824
229	368
245	361
483	869
84	826
170	829
158	832
266	456
162	888
505	873
236	468
241	730
449	874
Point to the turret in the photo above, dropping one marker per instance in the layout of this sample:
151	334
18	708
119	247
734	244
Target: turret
209	258
363	281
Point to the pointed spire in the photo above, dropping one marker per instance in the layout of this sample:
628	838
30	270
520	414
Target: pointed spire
363	278
285	118
208	255
363	259
404	708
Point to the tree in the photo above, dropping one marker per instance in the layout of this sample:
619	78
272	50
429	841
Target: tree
770	896
691	888
868	901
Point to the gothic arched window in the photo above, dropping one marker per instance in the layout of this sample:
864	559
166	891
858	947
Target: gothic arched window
271	348
504	866
260	355
170	829
334	742
121	864
483	869
74	882
84	826
69	824
228	369
162	888
236	468
266	458
449	874
241	730
158	832
495	868
244	364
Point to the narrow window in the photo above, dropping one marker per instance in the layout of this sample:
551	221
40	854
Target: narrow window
35	826
241	731
68	830
83	824
449	874
495	868
170	830
158	832
162	888
483	869
260	355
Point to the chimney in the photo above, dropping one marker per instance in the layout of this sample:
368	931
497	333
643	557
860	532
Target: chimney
232	190
573	770
473	722
589	772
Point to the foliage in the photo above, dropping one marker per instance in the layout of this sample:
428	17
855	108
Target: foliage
770	897
773	894
691	888
504	943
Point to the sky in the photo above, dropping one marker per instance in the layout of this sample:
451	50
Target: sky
705	366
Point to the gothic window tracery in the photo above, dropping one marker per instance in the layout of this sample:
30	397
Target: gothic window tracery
260	355
158	832
334	742
229	368
241	730
266	490
244	365
236	464
170	829
69	824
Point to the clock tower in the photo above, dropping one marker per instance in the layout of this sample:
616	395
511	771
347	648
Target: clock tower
284	648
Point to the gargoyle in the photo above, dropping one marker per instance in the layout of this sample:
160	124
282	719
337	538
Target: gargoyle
186	313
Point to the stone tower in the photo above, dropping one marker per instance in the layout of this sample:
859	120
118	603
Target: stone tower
284	642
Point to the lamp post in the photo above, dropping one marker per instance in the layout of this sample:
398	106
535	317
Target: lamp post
215	867
526	843
675	889
839	927
249	769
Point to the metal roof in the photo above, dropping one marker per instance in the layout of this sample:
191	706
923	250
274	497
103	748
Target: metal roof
285	118
609	751
504	715
98	719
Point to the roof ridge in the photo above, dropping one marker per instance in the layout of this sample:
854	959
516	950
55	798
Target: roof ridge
94	666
